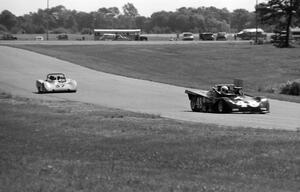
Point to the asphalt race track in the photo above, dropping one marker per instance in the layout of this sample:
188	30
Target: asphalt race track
19	69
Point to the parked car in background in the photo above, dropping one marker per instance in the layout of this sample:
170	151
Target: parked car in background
62	37
206	36
251	34
187	36
39	38
141	38
221	36
109	37
8	37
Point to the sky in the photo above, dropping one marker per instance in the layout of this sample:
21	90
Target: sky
145	8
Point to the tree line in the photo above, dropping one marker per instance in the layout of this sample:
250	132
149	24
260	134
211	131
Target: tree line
282	15
59	19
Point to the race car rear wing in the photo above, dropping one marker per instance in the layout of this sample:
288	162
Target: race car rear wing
197	92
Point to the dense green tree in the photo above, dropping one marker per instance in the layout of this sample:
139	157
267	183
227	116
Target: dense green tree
40	18
8	19
25	23
198	22
141	22
182	21
106	17
130	10
114	11
280	11
2	28
241	19
70	23
201	19
160	19
85	20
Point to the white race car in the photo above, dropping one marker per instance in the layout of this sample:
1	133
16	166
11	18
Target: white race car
56	82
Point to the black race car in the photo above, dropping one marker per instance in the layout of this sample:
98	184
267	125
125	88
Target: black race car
226	98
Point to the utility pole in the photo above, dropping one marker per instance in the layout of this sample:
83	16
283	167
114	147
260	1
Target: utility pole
47	34
256	23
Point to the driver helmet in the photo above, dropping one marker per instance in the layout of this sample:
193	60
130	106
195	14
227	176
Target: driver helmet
224	89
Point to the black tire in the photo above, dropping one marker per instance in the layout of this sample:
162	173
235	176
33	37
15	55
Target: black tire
194	104
221	107
204	108
210	109
41	89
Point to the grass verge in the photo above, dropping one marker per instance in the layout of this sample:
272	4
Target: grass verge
197	65
70	146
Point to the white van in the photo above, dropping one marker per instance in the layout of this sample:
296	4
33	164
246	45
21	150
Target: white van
187	36
108	36
39	38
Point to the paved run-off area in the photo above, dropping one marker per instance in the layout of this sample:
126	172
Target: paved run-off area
19	69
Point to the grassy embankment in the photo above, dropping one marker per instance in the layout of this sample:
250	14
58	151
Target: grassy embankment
197	65
69	146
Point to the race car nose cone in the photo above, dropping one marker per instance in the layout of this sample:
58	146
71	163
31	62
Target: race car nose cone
253	104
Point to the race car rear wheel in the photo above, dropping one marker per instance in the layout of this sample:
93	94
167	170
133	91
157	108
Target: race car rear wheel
221	107
194	104
204	108
41	89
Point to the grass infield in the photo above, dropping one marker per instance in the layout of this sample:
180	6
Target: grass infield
69	146
196	65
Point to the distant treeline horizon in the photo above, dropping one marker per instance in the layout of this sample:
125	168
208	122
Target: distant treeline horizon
59	19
